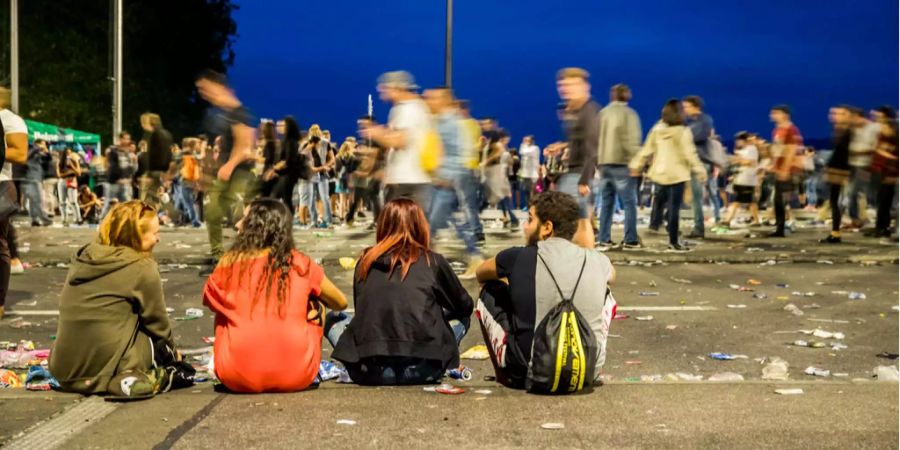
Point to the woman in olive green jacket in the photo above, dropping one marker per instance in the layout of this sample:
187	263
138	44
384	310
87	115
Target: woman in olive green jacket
112	314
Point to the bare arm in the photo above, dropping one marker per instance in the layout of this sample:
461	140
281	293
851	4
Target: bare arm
487	271
17	148
331	296
243	143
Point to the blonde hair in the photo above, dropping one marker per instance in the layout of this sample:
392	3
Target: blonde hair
126	224
572	72
346	147
154	120
5	97
314	131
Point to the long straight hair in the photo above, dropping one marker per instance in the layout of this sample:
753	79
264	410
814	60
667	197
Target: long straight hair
403	232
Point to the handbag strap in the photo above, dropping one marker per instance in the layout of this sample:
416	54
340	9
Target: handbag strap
577	282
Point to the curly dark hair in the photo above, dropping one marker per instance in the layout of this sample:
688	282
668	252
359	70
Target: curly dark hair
266	226
560	209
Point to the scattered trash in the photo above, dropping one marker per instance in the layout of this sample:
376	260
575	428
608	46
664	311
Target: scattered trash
9	379
170	310
760	296
330	371
461	373
182	319
887	355
688	377
681	280
726	356
740	288
449	389
39	379
793	309
886	373
478	352
651	378
31	303
671	327
483	391
803	294
620	316
782	297
857	296
829	320
812	306
726	376
737	306
825	261
346	422
347	263
193	312
795	391
652	283
811	344
754	250
648	294
817	372
644	318
753	282
836	346
819	333
840	292
782	285
776	369
553	426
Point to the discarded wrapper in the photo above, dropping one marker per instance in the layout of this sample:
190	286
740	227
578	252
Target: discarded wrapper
553	426
795	391
347	263
449	389
478	352
644	318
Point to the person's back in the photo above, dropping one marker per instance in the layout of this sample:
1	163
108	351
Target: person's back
268	323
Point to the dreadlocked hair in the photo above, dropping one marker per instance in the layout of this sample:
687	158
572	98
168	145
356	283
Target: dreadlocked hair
265	230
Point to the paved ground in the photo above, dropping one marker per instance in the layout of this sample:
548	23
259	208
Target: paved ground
638	407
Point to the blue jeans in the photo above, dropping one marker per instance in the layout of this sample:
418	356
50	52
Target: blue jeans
617	181
120	191
319	189
445	200
697	193
506	205
860	185
184	201
567	183
34	193
390	370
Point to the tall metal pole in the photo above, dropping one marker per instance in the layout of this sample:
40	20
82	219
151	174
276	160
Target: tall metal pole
448	47
117	68
14	54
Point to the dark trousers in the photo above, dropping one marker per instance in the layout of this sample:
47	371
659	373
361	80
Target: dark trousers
5	256
284	189
834	196
495	315
658	207
885	202
783	190
369	195
674	194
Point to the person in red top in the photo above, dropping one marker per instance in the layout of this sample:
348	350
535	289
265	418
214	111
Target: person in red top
786	142
268	299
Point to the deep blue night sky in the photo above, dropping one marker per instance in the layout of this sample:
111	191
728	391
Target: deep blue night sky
319	60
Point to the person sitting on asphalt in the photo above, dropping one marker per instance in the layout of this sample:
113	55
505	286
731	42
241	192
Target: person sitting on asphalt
268	302
518	290
411	310
114	335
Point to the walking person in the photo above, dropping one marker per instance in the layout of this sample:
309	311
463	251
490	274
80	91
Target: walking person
471	147
294	166
234	180
675	160
620	140
31	185
67	172
272	158
119	172
746	158
13	149
701	125
862	150
366	179
580	153
321	163
837	169
885	170
529	169
190	174
405	134
786	142
159	158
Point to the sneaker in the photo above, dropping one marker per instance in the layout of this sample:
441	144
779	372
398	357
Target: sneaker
677	248
653	230
35	224
831	239
696	235
514	228
632	245
360	215
755	224
606	246
876	233
480	240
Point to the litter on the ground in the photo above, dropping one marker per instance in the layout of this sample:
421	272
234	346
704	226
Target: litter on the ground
449	389
346	422
810	344
671	327
793	309
644	318
819	333
794	391
193	312
553	426
483	391
9	379
817	372
726	376
737	306
681	280
460	373
776	369
726	356
829	320
347	263
648	294
478	352
783	285
887	355
754	282
886	373
856	296
39	379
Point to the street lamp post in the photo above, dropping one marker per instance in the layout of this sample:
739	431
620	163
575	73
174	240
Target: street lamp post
117	68
448	47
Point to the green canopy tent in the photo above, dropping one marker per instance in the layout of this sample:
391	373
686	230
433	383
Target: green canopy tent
55	134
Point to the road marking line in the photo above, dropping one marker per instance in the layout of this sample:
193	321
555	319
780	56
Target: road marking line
56	431
37	312
666	308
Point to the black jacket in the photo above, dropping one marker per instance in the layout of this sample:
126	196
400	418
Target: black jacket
406	318
159	151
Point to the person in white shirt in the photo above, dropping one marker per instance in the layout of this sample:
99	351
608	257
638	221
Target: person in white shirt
862	148
15	146
530	162
409	123
746	155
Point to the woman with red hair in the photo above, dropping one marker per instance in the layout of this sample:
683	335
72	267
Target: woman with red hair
410	309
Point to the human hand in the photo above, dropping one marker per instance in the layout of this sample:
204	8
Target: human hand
584	190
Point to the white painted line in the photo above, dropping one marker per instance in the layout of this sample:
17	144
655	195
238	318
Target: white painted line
56	431
36	312
666	308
